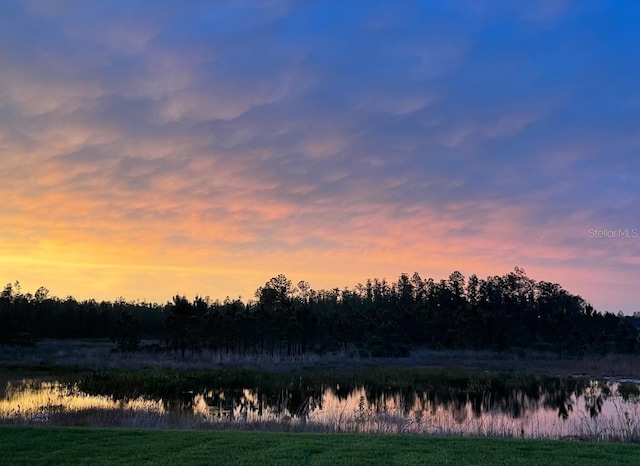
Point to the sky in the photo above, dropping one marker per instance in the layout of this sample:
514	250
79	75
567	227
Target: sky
152	148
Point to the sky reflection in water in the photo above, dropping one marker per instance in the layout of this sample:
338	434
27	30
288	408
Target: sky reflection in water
545	411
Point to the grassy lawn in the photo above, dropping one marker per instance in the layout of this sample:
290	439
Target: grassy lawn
53	445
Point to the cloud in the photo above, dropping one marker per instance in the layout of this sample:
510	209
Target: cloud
215	145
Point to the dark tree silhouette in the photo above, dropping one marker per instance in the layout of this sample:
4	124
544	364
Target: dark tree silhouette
127	334
377	318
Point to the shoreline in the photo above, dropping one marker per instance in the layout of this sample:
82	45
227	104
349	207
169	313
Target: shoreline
87	354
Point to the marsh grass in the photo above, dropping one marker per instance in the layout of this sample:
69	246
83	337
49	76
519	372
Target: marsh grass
624	426
55	404
100	354
616	430
97	396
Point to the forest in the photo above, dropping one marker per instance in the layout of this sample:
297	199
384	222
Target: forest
374	319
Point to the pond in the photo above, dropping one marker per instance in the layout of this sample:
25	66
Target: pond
478	404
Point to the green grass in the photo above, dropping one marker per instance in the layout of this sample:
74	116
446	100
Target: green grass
49	445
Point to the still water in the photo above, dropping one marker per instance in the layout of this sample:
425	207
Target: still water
549	408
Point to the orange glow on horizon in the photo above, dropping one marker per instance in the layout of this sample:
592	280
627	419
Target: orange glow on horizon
147	153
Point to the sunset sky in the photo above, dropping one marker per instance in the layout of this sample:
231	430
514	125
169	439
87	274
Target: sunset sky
158	147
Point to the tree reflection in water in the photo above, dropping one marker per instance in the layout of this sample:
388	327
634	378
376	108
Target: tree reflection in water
526	406
472	401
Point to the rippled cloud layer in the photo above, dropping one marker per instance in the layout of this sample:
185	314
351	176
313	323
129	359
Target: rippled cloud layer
154	148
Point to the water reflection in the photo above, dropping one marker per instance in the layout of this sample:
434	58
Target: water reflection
556	408
39	400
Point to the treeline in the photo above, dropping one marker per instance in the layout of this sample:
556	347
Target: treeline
377	318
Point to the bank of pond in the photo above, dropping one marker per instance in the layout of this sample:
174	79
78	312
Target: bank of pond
417	400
